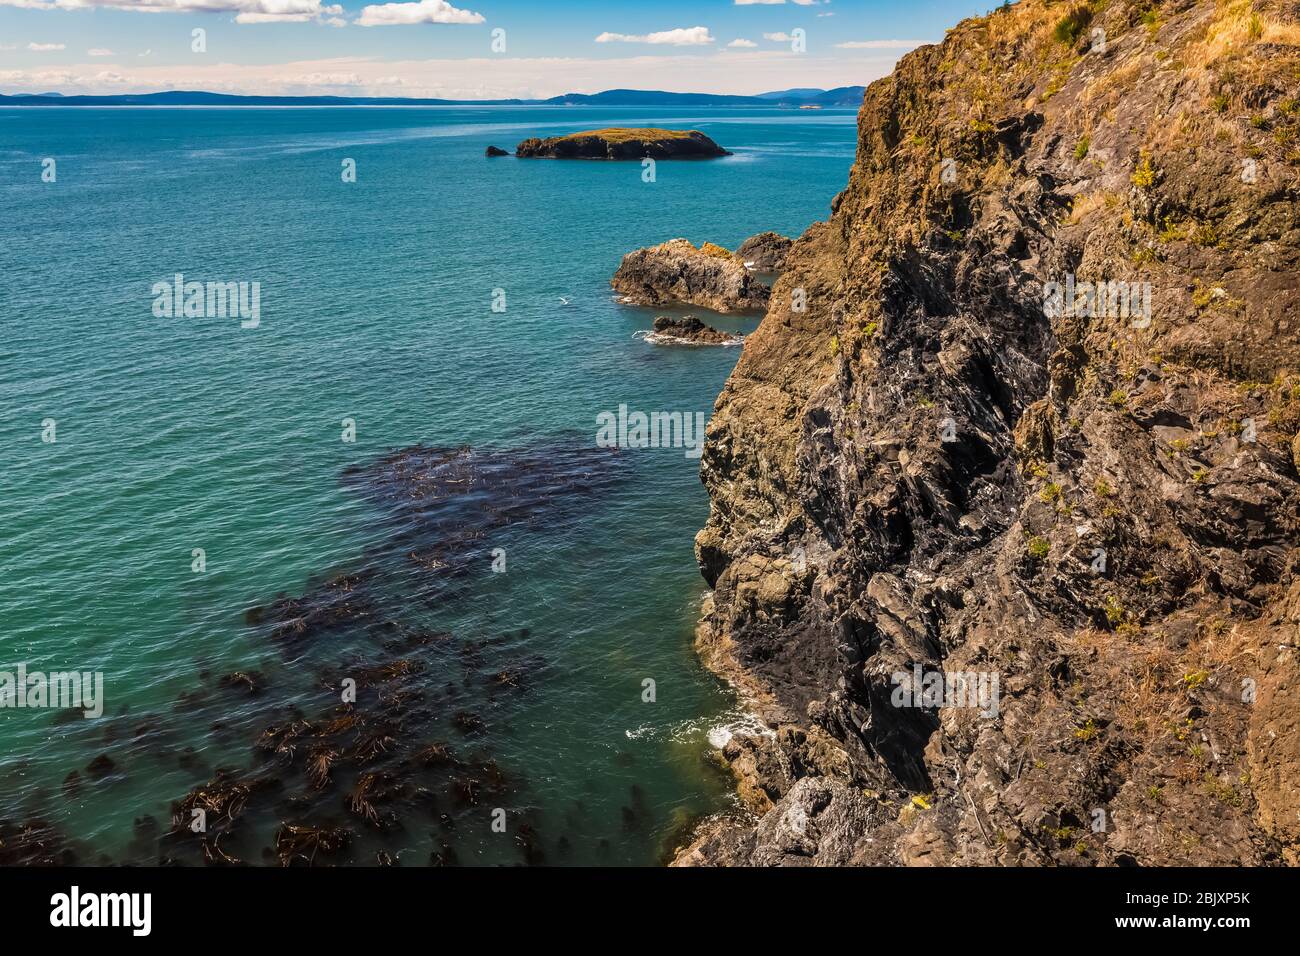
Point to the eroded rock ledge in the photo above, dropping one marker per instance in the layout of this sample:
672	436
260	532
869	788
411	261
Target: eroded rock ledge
924	468
709	277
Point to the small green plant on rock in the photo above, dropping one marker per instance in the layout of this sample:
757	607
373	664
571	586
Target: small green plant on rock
1114	609
1144	176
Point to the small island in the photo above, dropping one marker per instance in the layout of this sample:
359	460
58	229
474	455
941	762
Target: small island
621	143
688	331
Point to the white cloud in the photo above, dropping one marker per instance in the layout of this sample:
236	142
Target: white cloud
742	43
484	77
802	3
777	37
45	47
247	11
683	36
47	79
425	11
882	44
99	51
322	79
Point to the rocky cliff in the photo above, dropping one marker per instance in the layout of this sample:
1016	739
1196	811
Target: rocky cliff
943	452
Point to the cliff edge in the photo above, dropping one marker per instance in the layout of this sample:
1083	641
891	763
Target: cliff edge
1024	411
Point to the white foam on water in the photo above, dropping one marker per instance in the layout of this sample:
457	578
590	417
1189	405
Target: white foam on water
717	731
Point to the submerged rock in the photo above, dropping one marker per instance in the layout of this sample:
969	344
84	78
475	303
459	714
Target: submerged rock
676	271
689	331
621	143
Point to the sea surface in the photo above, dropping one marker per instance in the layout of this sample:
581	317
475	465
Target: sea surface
173	434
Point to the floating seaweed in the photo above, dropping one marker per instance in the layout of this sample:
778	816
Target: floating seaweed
302	844
250	682
381	752
35	843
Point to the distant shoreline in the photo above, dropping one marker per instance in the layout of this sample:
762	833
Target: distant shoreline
846	96
6	104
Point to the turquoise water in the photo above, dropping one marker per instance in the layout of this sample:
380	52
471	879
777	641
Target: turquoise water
180	433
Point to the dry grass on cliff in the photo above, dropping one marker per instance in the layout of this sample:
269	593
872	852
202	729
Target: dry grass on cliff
1149	675
1237	26
619	135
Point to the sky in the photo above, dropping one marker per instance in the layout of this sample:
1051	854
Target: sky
460	49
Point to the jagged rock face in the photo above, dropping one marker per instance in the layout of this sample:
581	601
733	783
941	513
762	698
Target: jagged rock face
677	272
925	458
623	144
765	252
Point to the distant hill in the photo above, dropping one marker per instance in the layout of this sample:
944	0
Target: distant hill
840	96
652	98
800	93
843	96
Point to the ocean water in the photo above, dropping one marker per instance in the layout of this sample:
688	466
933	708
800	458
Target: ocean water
173	434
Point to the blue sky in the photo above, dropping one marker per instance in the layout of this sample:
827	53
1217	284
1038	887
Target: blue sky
445	47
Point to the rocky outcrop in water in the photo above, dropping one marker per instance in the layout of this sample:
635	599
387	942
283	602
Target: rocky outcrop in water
619	143
708	277
688	331
494	151
765	252
961	459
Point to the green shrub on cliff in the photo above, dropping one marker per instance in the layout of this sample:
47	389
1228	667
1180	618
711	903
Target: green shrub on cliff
1071	26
